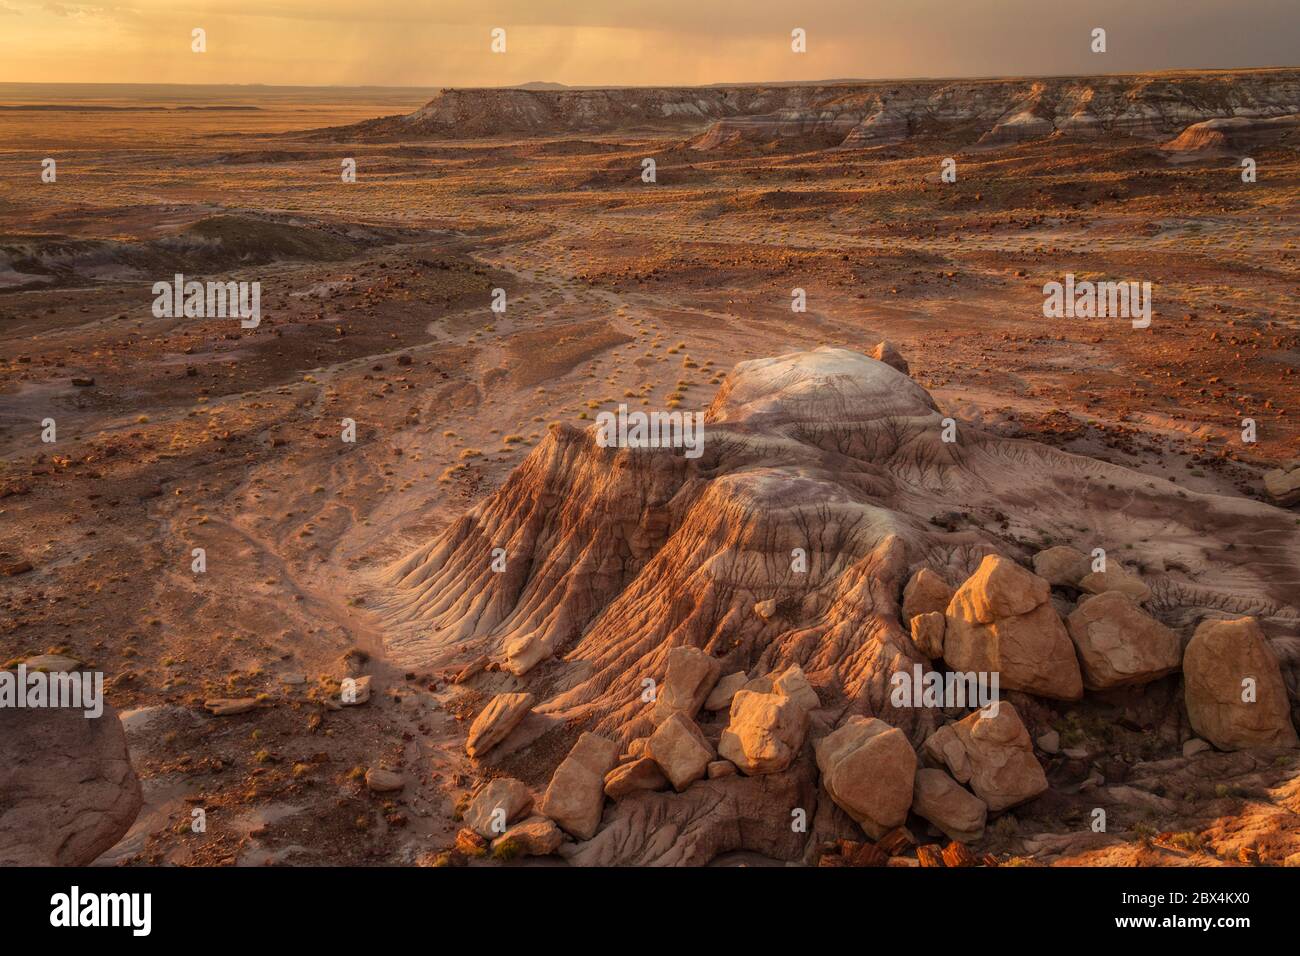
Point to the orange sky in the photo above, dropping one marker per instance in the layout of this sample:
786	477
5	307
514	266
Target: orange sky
591	42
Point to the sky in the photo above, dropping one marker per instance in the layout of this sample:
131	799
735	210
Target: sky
439	43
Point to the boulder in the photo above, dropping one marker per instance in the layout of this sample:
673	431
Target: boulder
720	697
1001	620
927	633
576	795
1119	644
691	675
765	732
1283	484
67	789
639	774
925	592
1219	658
535	836
505	794
793	684
495	721
766	609
1115	579
869	769
680	750
1062	566
886	352
379	780
992	753
948	805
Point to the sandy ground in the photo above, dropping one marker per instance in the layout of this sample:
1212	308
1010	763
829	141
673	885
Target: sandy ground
199	434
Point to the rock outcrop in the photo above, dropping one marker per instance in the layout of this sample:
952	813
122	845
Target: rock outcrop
691	676
991	753
1001	620
67	789
680	750
868	768
822	483
501	802
925	592
765	732
576	794
948	805
1119	644
1236	698
495	721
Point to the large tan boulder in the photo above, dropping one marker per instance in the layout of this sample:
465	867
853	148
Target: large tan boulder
1062	566
639	774
925	591
948	805
691	675
495	721
68	792
992	752
576	794
1001	619
499	803
1224	662
1115	578
720	697
765	732
680	750
869	770
1119	644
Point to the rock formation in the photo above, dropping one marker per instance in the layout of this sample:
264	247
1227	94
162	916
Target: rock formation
1235	694
67	789
813	500
1219	107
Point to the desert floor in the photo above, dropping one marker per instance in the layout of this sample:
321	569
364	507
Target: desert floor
197	433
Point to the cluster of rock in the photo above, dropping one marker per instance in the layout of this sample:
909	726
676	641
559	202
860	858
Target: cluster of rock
722	753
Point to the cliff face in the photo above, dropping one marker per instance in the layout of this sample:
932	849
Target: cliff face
862	115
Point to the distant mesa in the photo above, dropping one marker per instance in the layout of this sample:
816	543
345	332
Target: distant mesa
1236	133
862	114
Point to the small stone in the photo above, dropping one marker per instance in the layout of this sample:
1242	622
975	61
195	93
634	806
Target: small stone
1195	746
1050	742
383	781
765	609
721	768
229	706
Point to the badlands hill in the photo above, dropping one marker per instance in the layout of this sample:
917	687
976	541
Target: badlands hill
772	589
861	114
